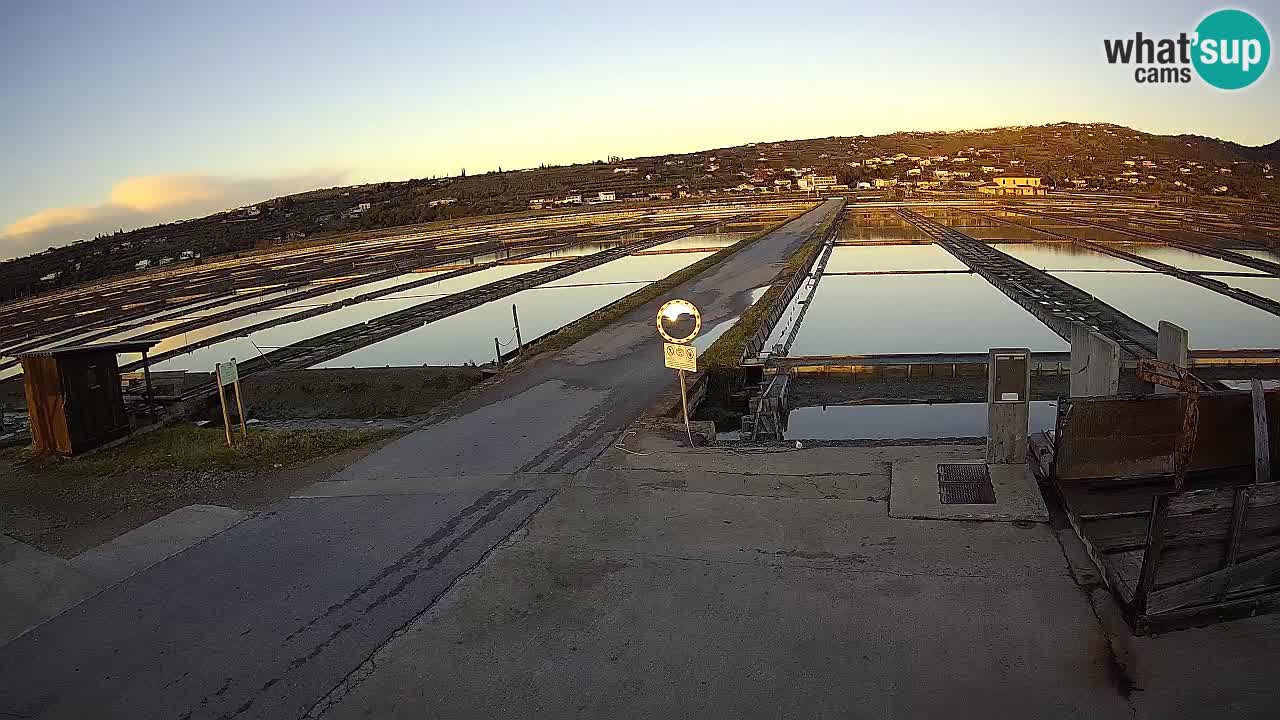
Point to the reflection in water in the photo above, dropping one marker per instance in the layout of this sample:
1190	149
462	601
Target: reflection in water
1185	259
1064	256
204	359
703	240
1271	255
709	335
873	422
1268	287
468	336
1007	232
916	314
880	234
1212	321
891	257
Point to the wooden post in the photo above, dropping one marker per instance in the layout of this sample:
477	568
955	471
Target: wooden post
519	341
497	351
146	375
244	429
684	402
1151	558
222	399
1238	509
1261	435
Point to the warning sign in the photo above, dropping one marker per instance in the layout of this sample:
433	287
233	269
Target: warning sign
680	357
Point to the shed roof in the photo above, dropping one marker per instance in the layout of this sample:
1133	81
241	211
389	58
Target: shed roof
126	346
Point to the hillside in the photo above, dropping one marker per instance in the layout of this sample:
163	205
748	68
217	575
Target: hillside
1094	156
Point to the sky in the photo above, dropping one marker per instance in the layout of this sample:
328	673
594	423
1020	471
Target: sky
124	114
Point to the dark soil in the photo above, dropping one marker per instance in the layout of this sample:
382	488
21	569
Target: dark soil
363	393
65	507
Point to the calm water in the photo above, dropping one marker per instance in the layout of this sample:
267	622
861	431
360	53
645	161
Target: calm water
468	336
1271	255
891	257
708	335
704	240
853	233
204	359
1212	321
916	314
877	422
1185	259
1064	256
1268	287
1002	232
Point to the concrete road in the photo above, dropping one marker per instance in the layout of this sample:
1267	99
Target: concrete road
714	583
268	617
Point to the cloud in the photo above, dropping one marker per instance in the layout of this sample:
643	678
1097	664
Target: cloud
149	200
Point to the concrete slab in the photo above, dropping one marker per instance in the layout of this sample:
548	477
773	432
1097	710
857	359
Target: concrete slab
843	534
1218	671
159	539
645	449
36	587
650	602
871	484
914	494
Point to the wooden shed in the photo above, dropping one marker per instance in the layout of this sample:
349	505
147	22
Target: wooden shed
74	396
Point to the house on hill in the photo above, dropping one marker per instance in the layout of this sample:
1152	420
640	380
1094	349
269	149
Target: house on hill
1013	185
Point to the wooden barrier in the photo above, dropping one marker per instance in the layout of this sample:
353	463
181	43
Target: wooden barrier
1123	437
1174	559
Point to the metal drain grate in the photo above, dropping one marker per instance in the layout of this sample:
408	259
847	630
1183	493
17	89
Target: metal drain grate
965	484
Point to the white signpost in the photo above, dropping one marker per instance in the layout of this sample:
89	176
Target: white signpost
679	323
228	374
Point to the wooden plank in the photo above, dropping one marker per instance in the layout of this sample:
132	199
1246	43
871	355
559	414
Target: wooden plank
42	383
1196	616
1222	499
1233	542
1122	590
1100	438
1151	559
1205	518
1179	564
1041	449
1261	440
1201	589
1128	565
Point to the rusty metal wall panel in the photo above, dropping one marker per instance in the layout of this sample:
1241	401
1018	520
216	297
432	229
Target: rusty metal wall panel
1118	437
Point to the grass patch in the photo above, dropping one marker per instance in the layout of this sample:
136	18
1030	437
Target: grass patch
614	311
185	447
726	352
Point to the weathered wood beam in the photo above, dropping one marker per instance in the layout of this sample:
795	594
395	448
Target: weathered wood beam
1201	588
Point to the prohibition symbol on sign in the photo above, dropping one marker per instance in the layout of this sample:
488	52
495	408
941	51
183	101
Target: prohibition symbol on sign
680	357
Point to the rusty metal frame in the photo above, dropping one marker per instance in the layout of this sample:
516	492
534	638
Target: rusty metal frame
1167	374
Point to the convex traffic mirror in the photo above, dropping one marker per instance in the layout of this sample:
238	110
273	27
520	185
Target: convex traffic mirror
679	321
